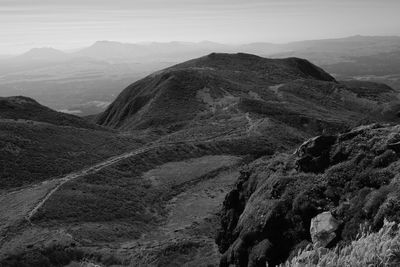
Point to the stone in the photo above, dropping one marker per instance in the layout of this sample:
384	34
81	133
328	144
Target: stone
313	155
322	229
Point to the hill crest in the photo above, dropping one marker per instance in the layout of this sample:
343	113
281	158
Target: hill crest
176	94
25	108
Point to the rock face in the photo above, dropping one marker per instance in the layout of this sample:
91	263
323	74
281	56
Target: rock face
276	202
322	229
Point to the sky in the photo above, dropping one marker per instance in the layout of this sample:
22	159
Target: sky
70	24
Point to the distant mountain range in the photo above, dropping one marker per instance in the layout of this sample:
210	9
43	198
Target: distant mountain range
84	82
43	54
176	51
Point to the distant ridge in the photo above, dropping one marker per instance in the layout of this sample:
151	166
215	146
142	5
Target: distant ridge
25	108
176	51
45	53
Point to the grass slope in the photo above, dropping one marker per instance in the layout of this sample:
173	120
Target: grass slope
250	94
171	96
24	108
34	152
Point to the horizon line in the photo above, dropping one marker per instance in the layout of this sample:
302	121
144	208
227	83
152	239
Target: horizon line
76	49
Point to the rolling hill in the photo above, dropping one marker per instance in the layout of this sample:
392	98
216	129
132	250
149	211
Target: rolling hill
189	88
38	143
229	89
24	108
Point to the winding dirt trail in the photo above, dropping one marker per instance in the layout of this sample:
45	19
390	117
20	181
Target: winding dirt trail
84	172
21	205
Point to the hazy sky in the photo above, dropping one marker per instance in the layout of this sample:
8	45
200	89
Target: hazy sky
68	24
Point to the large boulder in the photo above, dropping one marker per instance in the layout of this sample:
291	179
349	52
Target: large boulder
322	229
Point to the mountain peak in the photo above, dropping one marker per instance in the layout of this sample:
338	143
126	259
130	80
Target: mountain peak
245	62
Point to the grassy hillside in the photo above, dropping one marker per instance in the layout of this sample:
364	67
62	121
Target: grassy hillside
182	92
24	108
32	152
106	195
242	91
38	143
143	200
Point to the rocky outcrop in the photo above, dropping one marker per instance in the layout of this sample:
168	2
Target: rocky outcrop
322	229
314	154
351	178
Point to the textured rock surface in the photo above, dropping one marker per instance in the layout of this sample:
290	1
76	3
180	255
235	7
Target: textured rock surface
274	200
322	229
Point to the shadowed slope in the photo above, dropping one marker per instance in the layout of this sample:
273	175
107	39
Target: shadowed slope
38	143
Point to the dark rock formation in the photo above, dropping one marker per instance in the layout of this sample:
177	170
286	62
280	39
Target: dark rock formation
314	154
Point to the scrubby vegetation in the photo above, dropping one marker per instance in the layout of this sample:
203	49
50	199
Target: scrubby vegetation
121	195
55	256
59	256
30	153
292	91
353	175
380	248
